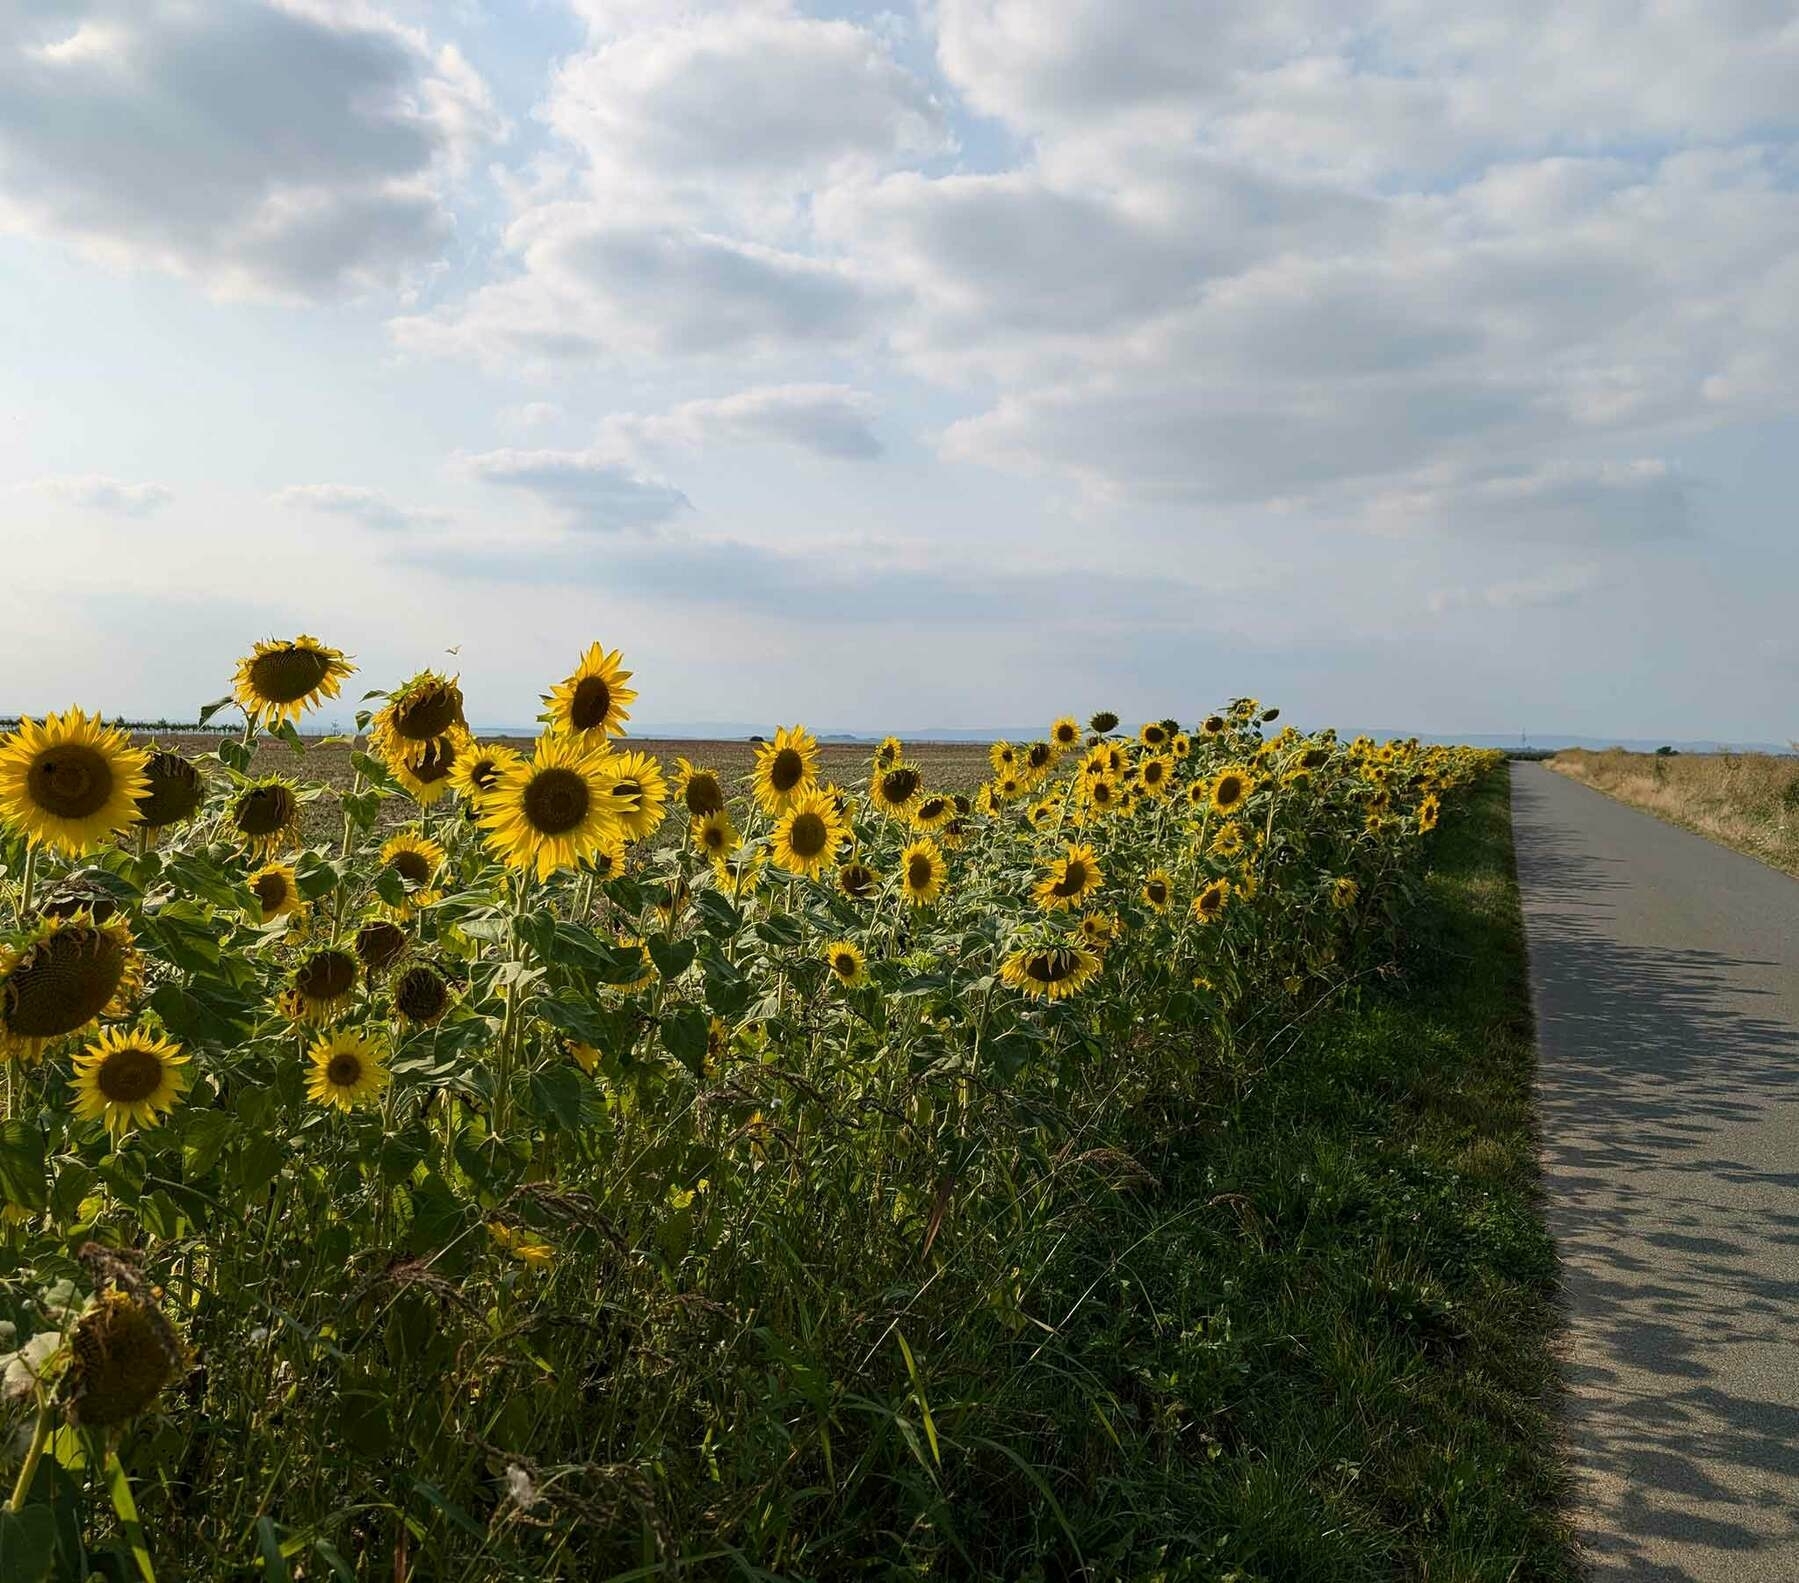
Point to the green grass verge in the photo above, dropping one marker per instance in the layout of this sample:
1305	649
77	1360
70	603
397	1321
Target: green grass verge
1320	1348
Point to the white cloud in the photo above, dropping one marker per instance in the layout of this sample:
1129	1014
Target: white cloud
1556	585
829	420
282	148
368	506
586	488
96	492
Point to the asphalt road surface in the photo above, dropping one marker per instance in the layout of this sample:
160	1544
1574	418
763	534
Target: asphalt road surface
1665	973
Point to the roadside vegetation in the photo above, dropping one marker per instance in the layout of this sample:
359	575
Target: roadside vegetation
553	1164
1749	801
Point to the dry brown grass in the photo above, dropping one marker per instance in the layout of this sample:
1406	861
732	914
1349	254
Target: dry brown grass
1749	801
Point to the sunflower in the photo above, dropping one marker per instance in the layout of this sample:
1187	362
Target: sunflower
986	802
1209	903
1229	840
891	751
1230	786
284	677
173	792
71	783
1156	889
553	810
1008	786
922	872
265	815
647	973
584	1056
785	768
1429	811
323	983
1153	734
348	1069
638	793
1065	733
429	772
895	791
1180	744
1100	929
700	789
1051	972
931	811
715	835
740	872
1037	760
1102	794
1103	722
123	1352
952	832
70	974
277	891
416	859
1003	757
1212	726
1042	815
1069	879
1344	892
593	704
128	1079
608	858
420	995
530	1251
806	836
858	881
1155	774
847	963
426	707
379	944
478	766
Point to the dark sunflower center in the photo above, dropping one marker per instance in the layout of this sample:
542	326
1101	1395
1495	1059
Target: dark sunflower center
933	808
629	792
898	785
63	984
1038	756
556	801
1066	734
379	942
845	964
1230	790
704	795
1211	900
1102	791
855	880
288	674
271	890
428	713
413	867
1050	967
436	761
485	775
344	1070
1152	774
174	791
919	872
1154	735
786	770
264	810
421	995
591	704
1073	880
72	781
129	1075
808	835
326	975
712	837
1158	892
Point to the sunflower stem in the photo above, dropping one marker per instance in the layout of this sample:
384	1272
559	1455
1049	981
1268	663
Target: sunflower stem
26	885
40	1437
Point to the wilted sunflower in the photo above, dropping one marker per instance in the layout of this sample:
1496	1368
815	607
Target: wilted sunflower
593	704
265	816
858	881
277	891
425	707
282	678
1103	723
379	944
891	751
348	1069
1344	892
785	768
1156	889
1209	903
173	790
1065	733
1155	774
553	810
806	836
128	1080
1230	786
895	790
478	767
121	1355
700	789
847	963
1051	972
416	859
71	973
430	771
420	995
324	982
639	793
922	872
715	835
1069	879
71	783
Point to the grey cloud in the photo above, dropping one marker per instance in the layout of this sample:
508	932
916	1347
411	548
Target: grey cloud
99	493
368	506
588	489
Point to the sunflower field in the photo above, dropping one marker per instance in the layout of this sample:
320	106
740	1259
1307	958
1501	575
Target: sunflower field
558	1163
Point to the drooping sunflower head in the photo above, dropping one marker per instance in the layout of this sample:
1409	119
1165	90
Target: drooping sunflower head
266	815
847	963
1051	972
1103	723
122	1354
1065	733
700	789
638	792
922	872
715	835
807	835
379	944
1344	892
891	751
1038	760
594	703
348	1069
421	995
429	771
1210	902
70	783
554	810
1156	890
857	881
415	862
72	973
893	791
1230	786
128	1080
324	982
425	708
1212	725
478	767
282	678
276	891
785	768
174	790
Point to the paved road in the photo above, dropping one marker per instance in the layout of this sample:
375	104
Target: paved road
1665	972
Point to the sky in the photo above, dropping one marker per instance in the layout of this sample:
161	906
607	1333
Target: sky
1429	366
